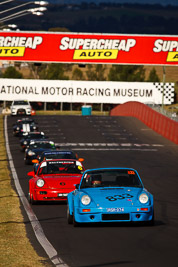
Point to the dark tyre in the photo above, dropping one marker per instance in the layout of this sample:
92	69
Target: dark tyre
27	162
152	222
76	224
31	200
69	217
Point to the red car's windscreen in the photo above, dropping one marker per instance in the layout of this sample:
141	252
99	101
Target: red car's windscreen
59	167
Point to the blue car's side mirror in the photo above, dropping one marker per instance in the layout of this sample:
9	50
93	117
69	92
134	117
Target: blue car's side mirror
77	186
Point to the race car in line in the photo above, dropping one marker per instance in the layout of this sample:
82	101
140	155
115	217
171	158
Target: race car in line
24	126
55	154
20	107
110	195
54	180
25	141
36	148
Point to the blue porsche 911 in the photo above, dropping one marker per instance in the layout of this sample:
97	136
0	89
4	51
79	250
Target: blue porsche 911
110	195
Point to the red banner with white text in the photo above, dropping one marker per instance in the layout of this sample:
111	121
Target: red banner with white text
89	48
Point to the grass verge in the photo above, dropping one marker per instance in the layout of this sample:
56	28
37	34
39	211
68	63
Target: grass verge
15	247
172	108
69	112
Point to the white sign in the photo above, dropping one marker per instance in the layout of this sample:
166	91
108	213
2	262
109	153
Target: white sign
85	91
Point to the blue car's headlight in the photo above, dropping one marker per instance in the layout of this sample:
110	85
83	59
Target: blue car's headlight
85	200
143	198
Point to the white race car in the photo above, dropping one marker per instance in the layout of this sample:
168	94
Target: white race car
20	107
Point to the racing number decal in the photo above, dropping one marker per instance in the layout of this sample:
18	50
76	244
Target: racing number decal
119	197
115	197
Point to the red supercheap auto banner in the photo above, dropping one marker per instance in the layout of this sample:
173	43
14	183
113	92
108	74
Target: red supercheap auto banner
89	48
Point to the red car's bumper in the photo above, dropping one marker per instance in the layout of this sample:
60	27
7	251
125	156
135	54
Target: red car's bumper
50	195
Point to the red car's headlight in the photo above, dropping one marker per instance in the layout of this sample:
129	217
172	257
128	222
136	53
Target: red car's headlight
40	182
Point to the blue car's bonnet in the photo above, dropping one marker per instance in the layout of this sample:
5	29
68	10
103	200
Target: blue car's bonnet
109	197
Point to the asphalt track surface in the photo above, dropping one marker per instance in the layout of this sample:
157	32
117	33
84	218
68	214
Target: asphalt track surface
109	142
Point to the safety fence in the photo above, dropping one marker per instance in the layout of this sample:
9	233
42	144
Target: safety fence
156	121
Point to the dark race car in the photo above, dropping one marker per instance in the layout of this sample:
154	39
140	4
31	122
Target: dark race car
57	154
24	126
25	141
54	180
36	148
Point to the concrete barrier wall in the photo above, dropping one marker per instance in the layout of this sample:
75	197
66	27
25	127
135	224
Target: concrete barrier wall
156	121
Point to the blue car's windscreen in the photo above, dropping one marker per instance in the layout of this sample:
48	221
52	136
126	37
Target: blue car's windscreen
111	178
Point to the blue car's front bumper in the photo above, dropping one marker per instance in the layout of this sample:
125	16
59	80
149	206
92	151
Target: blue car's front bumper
135	214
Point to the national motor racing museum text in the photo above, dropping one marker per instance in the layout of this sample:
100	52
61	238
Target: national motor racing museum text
78	91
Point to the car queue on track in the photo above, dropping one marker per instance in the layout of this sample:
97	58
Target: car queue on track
29	136
56	172
54	179
24	125
92	196
36	148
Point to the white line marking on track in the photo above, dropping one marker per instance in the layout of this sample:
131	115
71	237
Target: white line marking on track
114	149
49	126
112	133
114	145
49	249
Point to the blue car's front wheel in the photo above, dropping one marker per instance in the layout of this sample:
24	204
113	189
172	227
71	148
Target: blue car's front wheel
69	216
74	221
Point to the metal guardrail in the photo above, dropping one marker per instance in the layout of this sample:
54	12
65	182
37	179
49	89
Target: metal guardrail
170	114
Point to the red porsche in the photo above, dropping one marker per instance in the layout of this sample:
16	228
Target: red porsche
54	179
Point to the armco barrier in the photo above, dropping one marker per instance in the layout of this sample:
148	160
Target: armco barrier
156	121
